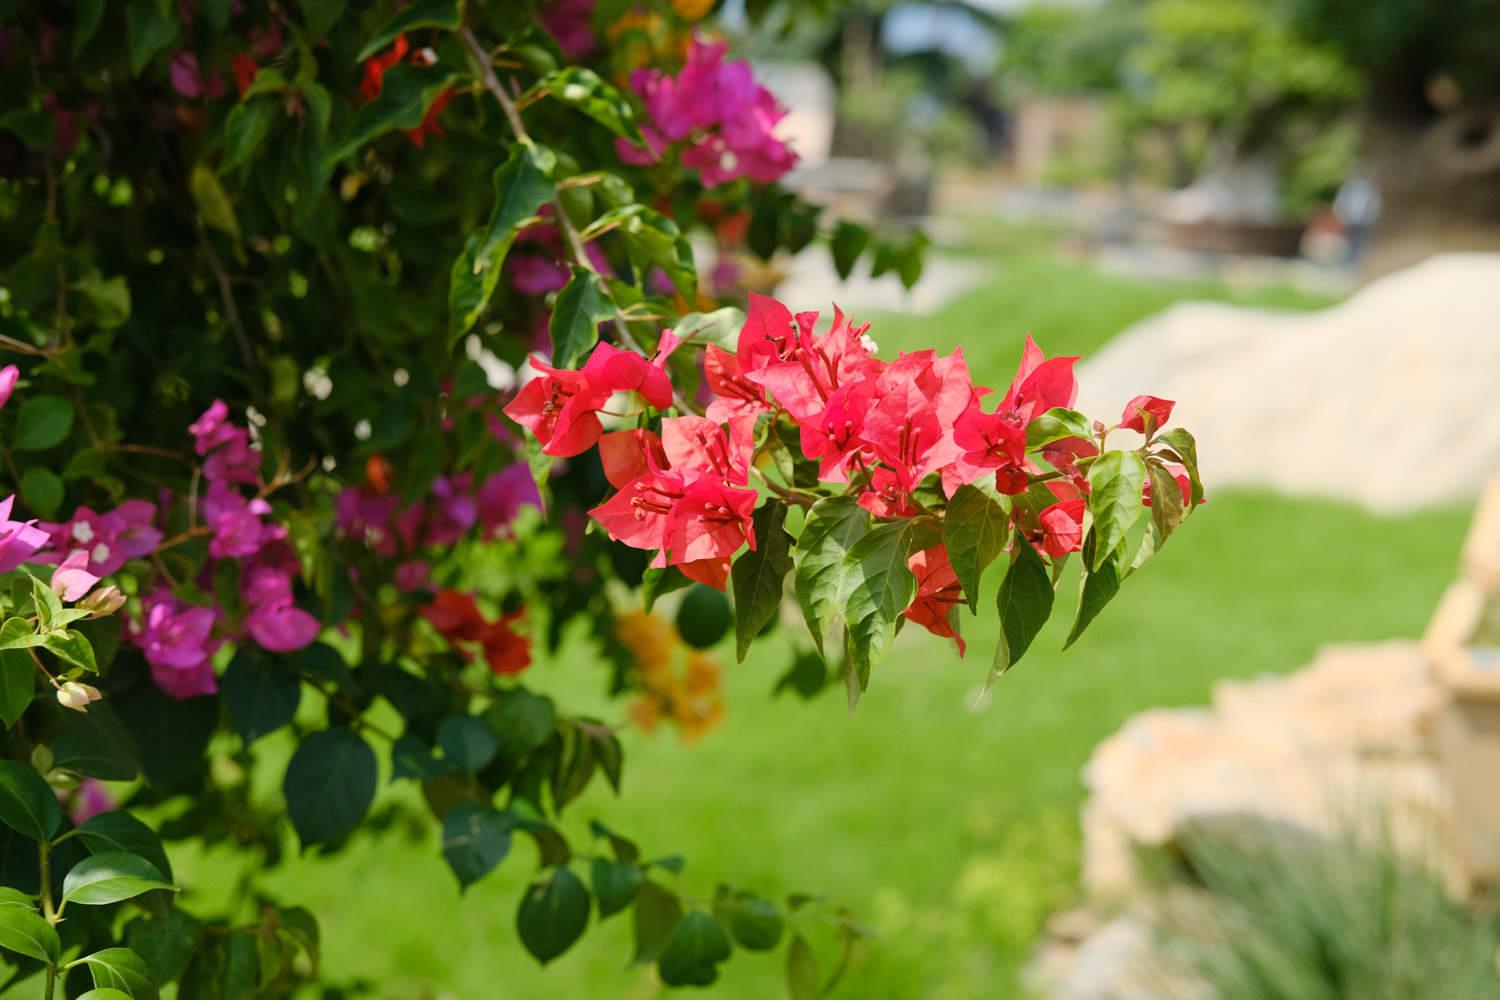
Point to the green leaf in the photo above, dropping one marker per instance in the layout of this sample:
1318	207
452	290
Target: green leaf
720	327
72	648
27	933
18	633
43	422
443	14
802	977
321	15
659	582
1185	449
807	676
879	586
167	942
615	884
108	299
652	239
17	684
580	87
476	838
1098	589
909	264
521	189
213	202
1116	480
260	694
1025	603
329	785
215	12
848	241
468	743
758	576
245	130
580	308
411	759
97	744
148	30
90	14
1056	424
833	525
523	721
553	914
48	606
1166	502
406	92
42	490
107	993
574	767
975	528
27	804
119	831
301	928
757	923
101	879
122	969
35	128
657	912
693	951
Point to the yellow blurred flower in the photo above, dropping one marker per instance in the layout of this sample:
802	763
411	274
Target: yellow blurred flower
692	10
645	712
703	673
679	683
646	22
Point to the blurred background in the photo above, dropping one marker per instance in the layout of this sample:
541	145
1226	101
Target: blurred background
1284	214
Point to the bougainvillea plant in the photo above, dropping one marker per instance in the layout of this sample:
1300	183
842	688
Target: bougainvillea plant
356	359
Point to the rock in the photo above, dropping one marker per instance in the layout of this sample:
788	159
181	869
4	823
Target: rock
1347	737
1386	399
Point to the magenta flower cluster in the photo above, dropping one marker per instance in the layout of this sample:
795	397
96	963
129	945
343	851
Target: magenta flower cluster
179	639
724	119
394	529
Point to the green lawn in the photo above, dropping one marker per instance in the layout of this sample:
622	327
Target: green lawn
952	832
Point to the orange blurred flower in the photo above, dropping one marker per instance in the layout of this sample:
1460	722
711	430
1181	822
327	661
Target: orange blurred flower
680	684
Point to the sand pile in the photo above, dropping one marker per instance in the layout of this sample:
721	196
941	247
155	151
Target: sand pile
1390	399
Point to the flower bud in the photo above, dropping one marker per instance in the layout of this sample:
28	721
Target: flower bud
77	696
103	602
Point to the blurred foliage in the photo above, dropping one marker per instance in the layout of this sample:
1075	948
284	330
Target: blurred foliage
1291	916
1197	85
1403	45
1236	66
901	110
1055	48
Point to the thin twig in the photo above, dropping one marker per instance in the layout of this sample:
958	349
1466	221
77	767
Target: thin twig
231	311
147	449
565	225
21	347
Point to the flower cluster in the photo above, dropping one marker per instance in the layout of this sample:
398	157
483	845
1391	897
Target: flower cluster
689	697
396	530
458	619
724	120
561	407
899	436
179	638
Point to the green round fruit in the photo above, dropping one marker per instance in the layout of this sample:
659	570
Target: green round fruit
704	617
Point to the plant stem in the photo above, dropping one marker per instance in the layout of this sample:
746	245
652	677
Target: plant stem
51	914
48	909
565	225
